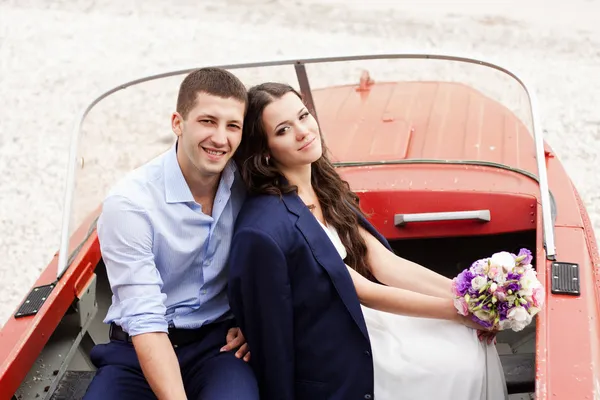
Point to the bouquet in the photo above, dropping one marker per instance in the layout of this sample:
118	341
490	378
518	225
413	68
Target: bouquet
500	292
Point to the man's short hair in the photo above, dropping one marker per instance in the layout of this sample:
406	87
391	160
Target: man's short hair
213	81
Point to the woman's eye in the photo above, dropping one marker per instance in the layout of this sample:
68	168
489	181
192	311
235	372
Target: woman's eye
282	130
304	115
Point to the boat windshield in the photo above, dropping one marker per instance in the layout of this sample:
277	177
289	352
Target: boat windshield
400	111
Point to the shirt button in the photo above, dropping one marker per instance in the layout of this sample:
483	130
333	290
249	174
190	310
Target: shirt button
368	396
367	353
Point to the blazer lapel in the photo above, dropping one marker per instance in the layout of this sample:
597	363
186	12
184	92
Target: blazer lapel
327	256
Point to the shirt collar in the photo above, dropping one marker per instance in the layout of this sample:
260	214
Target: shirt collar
176	187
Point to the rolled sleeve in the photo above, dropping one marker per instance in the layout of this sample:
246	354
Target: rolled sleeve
125	234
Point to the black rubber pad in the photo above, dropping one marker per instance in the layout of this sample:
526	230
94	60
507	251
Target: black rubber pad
34	301
565	278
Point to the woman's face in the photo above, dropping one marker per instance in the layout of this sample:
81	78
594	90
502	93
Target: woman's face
293	134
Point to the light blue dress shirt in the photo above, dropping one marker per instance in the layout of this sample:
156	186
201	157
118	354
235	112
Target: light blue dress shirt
166	260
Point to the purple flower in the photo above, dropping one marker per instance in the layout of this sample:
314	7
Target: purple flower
513	276
485	324
528	256
472	292
463	281
514	286
502	309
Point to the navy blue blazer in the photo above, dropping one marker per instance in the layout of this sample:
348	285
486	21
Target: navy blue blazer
295	302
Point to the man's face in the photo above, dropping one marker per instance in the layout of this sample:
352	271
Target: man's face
209	135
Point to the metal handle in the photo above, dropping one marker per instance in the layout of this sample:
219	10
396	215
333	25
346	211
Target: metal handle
480	215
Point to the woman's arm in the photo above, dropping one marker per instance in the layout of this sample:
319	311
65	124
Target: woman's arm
261	300
401	301
398	272
405	302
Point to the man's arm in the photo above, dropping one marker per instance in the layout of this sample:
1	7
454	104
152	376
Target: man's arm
260	297
125	235
159	365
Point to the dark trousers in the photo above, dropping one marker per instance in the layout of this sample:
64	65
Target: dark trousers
207	373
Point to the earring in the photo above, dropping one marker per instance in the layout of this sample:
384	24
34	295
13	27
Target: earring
267	159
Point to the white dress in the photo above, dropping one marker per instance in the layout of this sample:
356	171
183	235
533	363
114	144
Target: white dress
422	358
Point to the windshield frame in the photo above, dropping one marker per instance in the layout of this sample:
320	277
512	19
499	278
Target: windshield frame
65	259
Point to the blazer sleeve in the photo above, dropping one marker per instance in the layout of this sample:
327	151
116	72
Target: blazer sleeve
260	298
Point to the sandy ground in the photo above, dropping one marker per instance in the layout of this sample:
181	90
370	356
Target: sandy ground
56	56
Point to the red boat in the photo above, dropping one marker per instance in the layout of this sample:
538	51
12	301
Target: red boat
448	157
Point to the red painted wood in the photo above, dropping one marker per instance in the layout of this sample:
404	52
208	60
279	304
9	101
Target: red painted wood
22	339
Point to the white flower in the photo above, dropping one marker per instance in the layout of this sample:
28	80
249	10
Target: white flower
529	282
483	315
520	318
525	292
529	279
503	260
493	287
511	300
478	266
478	282
494	271
505	324
500	279
518	326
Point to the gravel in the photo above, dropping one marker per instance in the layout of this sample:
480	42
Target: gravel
56	56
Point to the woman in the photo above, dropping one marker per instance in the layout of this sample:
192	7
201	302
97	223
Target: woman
329	312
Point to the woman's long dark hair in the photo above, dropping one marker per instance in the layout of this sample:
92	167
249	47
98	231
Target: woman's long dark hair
338	202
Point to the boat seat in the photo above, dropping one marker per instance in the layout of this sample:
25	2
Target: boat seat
519	371
73	385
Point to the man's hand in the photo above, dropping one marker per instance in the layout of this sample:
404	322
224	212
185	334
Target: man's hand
235	338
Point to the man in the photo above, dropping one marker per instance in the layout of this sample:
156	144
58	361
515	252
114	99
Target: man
165	232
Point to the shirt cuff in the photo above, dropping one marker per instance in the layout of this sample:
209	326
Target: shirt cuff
146	324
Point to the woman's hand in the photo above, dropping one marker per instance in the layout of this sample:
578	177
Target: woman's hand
235	340
489	336
468	322
483	333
